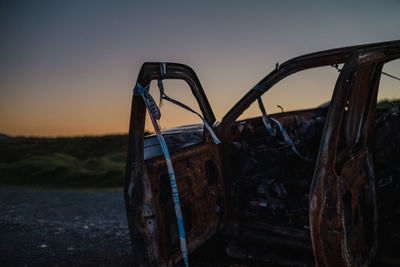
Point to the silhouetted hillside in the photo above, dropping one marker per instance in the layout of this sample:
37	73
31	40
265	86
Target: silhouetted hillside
59	162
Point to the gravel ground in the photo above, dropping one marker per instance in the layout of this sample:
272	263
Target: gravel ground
63	228
75	228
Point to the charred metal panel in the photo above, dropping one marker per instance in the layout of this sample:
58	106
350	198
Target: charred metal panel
200	184
343	214
358	210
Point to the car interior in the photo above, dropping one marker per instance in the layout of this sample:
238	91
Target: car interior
271	184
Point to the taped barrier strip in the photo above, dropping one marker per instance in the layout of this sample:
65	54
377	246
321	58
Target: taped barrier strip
285	135
155	115
265	118
164	96
287	139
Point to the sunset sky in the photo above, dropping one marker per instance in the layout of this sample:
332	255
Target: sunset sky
67	68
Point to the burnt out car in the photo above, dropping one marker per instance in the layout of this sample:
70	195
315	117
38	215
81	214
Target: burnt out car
313	186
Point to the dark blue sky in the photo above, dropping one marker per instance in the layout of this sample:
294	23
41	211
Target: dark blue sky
68	67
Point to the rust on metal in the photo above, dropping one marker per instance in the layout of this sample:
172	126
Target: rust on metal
337	207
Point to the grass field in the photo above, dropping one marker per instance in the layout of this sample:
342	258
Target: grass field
80	162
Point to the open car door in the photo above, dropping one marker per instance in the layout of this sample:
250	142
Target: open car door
150	202
343	210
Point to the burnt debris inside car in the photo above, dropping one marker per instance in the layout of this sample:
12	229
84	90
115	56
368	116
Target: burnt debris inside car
317	186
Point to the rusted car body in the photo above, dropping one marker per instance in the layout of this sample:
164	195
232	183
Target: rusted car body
328	210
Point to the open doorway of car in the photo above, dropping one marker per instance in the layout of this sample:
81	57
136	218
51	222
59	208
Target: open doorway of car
340	229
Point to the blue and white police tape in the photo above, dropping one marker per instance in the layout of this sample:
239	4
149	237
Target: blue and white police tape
155	115
265	118
160	84
272	131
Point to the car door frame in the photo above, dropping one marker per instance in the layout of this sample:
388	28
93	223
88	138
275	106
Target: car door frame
378	53
343	222
140	207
